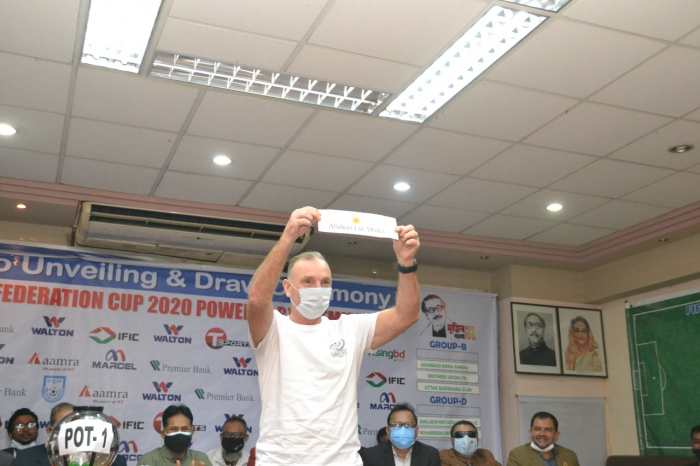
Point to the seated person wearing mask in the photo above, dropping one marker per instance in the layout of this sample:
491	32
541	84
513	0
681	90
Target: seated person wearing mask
544	431
234	435
177	434
23	429
465	451
402	448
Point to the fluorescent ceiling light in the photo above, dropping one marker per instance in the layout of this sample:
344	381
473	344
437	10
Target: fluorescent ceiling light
554	207
402	186
221	160
6	130
267	83
549	5
499	30
21	206
118	32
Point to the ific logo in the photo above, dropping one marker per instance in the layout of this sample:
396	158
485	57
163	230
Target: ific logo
102	335
376	379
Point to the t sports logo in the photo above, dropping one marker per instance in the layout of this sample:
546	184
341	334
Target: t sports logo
158	422
53	330
377	379
241	368
114	359
6	359
387	401
216	339
172	335
103	335
129	450
162	394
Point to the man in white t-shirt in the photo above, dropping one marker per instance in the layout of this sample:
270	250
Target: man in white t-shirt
309	365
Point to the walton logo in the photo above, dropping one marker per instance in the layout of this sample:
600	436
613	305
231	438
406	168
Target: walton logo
387	402
377	379
53	324
241	367
115	360
102	335
5	359
162	393
129	450
173	335
220	427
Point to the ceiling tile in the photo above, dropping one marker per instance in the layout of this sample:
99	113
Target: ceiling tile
257	120
285	198
314	171
480	195
503	226
531	166
652	149
693	38
354	136
26	165
38	213
224	45
390	208
107	176
39	29
666	84
36	131
595	129
610	178
131	100
369	28
535	206
291	18
442	218
381	180
500	111
570	235
352	69
34	84
195	155
200	188
667	20
619	215
109	142
675	191
445	151
695	116
555	60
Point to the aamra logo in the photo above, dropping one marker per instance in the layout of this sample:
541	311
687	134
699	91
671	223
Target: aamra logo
242	362
35	359
155	365
54	387
173	329
52	328
376	379
200	393
101	396
102	335
53	321
53	363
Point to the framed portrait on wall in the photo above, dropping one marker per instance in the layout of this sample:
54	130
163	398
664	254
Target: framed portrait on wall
582	342
536	339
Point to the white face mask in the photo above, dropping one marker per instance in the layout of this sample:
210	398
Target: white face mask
19	446
313	301
466	446
542	450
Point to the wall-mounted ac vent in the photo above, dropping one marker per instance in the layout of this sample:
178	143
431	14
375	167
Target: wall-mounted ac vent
179	235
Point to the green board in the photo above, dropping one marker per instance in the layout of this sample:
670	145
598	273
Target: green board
664	339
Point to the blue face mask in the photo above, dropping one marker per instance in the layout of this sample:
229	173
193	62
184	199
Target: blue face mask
403	438
466	446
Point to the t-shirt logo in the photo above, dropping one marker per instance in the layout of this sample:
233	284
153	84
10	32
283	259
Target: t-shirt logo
338	349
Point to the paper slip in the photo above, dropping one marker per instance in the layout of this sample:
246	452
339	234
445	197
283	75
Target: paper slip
357	223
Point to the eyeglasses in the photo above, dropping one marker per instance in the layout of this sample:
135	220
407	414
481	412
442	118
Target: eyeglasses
433	310
531	325
465	433
233	434
584	331
398	425
172	430
29	425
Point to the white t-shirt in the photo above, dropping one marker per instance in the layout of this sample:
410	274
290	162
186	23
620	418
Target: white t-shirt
308	387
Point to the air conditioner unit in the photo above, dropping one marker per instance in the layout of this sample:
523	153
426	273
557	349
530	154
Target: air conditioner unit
186	236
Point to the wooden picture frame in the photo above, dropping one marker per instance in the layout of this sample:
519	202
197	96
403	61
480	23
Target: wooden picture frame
582	342
536	345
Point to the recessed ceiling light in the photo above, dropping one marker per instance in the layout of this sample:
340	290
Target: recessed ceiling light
484	257
663	240
352	243
221	160
6	130
118	33
681	149
21	206
402	186
549	5
493	35
554	207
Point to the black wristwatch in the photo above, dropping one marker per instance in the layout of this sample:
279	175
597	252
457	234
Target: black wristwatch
411	269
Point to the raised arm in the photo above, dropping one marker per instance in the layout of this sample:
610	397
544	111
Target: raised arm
393	322
266	278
